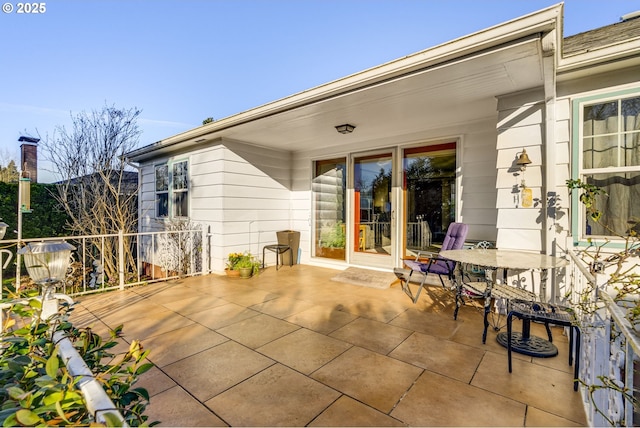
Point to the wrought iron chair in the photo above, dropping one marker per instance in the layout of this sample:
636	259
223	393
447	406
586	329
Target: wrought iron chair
545	313
453	240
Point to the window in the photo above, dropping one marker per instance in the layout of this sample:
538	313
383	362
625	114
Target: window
162	191
609	157
174	188
180	189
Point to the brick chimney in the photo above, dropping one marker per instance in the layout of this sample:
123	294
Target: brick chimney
29	157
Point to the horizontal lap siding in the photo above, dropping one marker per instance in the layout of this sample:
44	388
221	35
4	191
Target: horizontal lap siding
478	192
238	192
520	126
245	190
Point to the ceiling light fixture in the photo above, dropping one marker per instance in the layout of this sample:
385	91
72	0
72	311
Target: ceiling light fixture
345	129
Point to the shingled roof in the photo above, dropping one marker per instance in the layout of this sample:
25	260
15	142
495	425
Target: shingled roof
601	37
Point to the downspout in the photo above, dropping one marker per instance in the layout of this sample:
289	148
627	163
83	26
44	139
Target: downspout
549	157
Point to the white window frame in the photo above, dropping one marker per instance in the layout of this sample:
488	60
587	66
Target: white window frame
182	191
161	192
579	172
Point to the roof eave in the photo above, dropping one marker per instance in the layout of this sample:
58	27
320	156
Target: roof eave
538	22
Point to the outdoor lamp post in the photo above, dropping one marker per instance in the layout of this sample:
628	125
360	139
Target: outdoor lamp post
3	229
47	264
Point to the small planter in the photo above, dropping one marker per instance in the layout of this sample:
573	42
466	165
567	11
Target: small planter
245	272
232	273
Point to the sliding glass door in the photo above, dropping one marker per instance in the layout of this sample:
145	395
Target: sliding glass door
429	193
373	210
329	189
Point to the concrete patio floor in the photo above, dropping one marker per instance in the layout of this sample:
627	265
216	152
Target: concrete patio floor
294	348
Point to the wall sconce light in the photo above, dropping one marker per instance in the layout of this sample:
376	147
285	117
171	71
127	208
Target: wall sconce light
523	160
345	129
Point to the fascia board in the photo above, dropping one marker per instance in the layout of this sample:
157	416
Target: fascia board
538	22
608	54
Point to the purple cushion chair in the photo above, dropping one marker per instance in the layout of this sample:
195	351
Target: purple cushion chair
454	240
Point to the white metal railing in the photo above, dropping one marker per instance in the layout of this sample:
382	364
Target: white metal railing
609	352
116	261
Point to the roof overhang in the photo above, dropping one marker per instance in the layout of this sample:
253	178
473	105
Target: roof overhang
456	82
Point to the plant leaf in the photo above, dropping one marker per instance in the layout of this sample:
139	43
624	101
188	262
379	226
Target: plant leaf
53	364
112	420
144	368
27	417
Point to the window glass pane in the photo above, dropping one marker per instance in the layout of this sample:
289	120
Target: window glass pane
600	152
632	149
162	205
600	119
180	176
372	200
620	206
162	178
329	189
429	185
180	204
631	114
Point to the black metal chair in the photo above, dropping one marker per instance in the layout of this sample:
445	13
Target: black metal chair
545	313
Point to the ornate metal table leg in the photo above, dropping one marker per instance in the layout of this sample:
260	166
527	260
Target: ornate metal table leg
490	276
457	280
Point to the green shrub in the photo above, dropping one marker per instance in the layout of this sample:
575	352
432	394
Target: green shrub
36	387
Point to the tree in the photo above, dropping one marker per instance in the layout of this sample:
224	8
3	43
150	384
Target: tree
98	189
8	169
207	120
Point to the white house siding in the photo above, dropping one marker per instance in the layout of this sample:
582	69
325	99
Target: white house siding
520	126
477	193
240	192
568	90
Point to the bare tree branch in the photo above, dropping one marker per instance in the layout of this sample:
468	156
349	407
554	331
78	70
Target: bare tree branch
96	187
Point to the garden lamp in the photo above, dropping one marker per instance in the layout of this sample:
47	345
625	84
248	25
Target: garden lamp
47	264
3	229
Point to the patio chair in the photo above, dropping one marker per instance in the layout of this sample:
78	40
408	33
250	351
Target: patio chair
421	268
528	344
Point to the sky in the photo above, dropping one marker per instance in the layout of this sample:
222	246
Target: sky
181	61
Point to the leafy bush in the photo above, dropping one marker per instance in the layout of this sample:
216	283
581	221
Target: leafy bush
36	387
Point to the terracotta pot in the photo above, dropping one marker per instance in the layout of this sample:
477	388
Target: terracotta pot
232	273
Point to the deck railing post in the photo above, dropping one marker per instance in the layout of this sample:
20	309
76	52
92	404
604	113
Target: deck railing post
121	258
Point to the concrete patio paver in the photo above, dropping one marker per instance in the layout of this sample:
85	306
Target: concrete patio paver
217	369
273	396
304	350
367	376
293	348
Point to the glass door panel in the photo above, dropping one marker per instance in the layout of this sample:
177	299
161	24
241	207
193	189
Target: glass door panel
429	185
372	214
329	189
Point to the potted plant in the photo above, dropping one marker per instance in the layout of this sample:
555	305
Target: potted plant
242	264
332	242
248	266
232	261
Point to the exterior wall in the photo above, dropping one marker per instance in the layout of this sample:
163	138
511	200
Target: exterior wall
476	190
520	126
477	194
240	193
568	90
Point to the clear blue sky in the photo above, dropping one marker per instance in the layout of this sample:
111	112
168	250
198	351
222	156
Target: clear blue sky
181	61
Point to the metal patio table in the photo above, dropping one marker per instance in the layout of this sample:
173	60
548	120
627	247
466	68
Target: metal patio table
492	260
